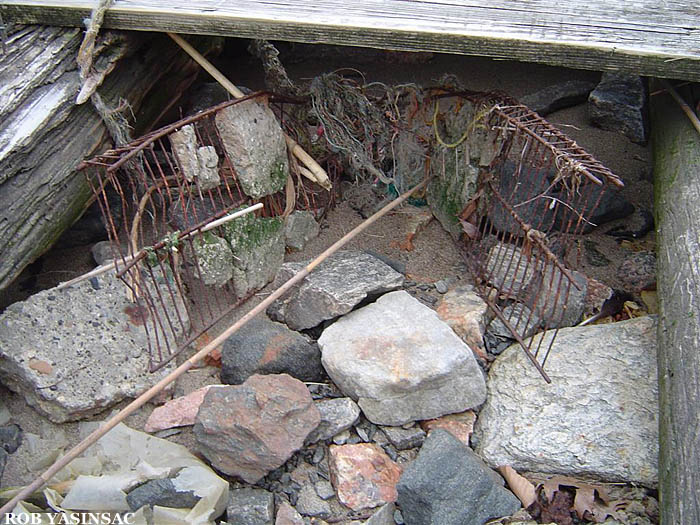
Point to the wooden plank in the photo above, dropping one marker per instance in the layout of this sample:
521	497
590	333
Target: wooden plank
644	36
677	191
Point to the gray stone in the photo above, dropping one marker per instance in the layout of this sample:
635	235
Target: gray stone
250	429
450	485
338	285
401	362
10	437
558	96
75	352
509	269
286	515
342	437
405	438
531	194
558	301
215	259
5	415
337	415
102	252
598	417
324	489
310	504
197	164
384	516
637	271
256	146
393	263
265	347
257	244
300	228
250	506
618	104
161	492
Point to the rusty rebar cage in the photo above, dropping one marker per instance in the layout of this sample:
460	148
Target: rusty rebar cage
535	197
155	216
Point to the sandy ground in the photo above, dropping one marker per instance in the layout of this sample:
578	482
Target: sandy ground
434	257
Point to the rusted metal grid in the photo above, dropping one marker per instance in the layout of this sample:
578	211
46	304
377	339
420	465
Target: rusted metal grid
155	218
535	198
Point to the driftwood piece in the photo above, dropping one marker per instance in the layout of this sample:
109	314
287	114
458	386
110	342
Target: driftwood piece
44	135
677	193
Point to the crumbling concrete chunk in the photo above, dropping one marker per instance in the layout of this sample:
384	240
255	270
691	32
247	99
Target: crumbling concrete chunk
215	259
75	352
256	146
197	164
257	244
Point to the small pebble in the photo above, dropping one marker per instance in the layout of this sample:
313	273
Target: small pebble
318	456
398	517
324	489
342	437
442	285
362	433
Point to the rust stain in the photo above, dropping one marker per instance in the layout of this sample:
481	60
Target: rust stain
40	366
137	314
274	348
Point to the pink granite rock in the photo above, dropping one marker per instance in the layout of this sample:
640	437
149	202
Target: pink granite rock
460	425
466	313
250	429
178	412
363	475
286	515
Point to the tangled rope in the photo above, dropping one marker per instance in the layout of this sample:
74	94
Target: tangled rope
114	117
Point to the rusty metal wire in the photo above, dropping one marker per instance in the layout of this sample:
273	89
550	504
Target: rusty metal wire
155	217
539	191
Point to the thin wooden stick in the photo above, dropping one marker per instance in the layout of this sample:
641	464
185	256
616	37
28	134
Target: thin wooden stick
107	267
320	175
184	367
682	103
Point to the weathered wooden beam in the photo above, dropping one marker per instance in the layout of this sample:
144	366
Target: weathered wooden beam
641	37
44	135
676	146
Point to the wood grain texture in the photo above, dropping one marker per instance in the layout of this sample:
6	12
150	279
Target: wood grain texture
677	192
44	135
647	37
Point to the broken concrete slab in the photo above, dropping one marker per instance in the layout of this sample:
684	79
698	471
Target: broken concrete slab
598	417
338	285
77	351
257	244
401	362
215	259
256	147
198	164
